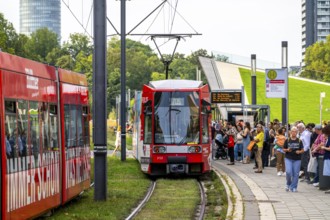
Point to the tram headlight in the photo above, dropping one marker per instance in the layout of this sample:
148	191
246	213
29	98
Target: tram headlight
194	149
159	149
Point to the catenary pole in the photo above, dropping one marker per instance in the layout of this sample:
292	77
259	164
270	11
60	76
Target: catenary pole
99	101
123	79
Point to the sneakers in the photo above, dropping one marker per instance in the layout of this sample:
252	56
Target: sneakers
287	188
294	190
279	173
316	184
230	163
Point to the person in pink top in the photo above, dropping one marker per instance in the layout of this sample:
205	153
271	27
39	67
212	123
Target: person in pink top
317	151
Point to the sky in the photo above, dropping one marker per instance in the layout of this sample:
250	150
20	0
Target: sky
235	27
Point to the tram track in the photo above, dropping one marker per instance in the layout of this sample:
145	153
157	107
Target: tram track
199	210
144	201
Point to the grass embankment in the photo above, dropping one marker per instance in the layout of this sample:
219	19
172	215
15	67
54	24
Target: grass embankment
126	186
179	198
304	98
172	199
217	203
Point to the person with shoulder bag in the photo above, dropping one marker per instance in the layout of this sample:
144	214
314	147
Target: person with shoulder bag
317	151
259	139
246	141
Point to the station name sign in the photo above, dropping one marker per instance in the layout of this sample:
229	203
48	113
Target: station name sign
226	97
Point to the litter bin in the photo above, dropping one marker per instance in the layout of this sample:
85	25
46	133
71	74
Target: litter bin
324	181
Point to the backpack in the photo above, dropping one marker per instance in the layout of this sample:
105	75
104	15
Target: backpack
231	141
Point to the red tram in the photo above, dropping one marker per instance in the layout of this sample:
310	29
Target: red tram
172	128
44	125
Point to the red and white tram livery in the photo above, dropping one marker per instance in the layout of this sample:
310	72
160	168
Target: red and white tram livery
45	156
175	133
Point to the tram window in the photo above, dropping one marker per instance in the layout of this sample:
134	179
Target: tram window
66	124
53	125
22	110
33	136
44	113
86	126
147	129
205	128
80	139
70	119
11	127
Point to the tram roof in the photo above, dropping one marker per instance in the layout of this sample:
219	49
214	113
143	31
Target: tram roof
175	84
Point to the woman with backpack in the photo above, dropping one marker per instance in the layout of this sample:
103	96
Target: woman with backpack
231	142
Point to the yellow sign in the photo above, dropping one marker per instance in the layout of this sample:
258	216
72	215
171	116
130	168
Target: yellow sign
272	74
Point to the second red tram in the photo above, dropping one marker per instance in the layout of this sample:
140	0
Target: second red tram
45	154
172	133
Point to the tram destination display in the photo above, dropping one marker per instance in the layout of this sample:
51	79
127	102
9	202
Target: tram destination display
226	97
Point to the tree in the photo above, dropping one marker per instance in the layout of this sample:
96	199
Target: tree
182	68
10	41
157	76
141	61
193	58
222	58
42	42
317	61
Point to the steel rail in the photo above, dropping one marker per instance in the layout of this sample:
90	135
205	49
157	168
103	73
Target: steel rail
143	202
203	201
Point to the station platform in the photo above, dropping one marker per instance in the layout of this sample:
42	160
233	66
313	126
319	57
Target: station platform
263	196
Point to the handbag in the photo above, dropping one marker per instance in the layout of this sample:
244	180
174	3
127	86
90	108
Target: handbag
251	146
312	165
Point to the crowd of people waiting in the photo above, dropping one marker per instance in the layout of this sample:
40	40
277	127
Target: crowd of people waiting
295	149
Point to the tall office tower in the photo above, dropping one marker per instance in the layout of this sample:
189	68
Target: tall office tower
315	22
35	14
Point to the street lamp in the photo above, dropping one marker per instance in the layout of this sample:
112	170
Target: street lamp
253	79
322	95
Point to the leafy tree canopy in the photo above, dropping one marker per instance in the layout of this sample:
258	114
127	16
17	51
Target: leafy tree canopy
41	42
317	61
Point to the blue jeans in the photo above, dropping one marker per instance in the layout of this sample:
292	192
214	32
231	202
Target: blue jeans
292	168
238	148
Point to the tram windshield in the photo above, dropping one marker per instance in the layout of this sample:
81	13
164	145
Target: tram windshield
176	117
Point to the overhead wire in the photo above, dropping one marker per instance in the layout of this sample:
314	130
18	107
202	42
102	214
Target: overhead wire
183	17
77	19
153	21
90	15
172	24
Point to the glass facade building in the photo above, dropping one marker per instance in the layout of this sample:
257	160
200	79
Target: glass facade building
315	22
35	14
